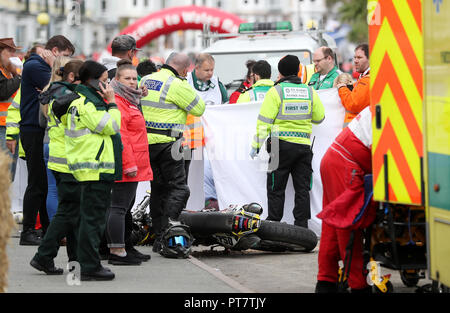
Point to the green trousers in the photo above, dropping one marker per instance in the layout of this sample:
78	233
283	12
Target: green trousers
64	223
95	200
81	218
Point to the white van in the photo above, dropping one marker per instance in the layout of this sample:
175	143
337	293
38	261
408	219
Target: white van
260	41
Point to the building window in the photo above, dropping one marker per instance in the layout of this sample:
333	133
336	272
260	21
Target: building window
135	2
103	5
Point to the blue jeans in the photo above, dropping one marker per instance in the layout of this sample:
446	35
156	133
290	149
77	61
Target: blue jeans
52	194
3	138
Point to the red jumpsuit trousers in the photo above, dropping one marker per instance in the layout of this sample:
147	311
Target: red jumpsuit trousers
346	158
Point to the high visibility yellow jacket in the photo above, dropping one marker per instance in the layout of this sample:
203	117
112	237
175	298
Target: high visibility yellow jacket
287	113
305	72
256	92
12	123
57	159
92	137
5	104
169	100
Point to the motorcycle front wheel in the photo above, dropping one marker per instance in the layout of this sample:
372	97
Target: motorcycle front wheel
276	236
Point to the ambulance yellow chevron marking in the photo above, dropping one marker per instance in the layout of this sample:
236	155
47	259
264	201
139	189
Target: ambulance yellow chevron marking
396	61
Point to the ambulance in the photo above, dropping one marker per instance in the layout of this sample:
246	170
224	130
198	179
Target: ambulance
410	92
260	41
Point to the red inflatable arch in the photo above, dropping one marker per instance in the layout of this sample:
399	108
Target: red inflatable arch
180	18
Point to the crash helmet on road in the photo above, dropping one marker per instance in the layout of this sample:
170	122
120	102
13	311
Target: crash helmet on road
253	208
176	242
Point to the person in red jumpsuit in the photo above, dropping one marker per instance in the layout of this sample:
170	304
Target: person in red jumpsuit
342	170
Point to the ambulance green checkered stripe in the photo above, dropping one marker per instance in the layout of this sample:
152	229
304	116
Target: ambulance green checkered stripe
291	134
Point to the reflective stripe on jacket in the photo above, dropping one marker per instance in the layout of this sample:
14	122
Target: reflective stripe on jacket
287	113
13	117
167	104
89	131
12	123
194	135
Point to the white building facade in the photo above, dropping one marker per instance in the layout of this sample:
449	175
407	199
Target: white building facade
92	24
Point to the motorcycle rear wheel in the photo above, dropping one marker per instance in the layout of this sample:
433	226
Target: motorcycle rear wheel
276	236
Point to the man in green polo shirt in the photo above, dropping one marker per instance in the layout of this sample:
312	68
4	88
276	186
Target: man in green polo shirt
326	69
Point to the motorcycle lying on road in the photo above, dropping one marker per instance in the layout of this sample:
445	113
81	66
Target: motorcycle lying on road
235	228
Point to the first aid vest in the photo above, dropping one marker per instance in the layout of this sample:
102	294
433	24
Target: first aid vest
287	112
257	92
167	104
89	144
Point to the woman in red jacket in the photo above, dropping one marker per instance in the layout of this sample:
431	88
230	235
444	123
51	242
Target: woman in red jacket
135	165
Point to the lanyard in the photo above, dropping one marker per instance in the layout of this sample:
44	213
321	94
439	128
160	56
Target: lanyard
319	82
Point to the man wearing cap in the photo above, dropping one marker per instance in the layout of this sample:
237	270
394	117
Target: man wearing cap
286	116
9	83
123	47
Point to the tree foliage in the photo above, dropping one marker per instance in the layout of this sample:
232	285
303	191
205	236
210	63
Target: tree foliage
354	13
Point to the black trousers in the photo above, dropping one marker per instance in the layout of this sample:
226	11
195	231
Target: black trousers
294	159
122	200
35	197
64	223
170	192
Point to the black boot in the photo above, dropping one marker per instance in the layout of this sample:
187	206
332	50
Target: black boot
29	238
326	287
47	269
102	273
